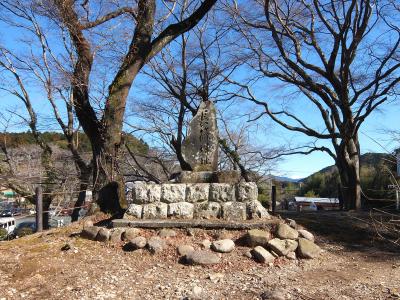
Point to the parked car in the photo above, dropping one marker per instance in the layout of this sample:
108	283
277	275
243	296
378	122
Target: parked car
6	213
11	212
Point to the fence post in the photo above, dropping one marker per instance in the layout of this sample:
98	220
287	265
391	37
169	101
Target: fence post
397	200
273	196
39	209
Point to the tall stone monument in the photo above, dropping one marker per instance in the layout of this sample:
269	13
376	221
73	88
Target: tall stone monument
200	148
204	192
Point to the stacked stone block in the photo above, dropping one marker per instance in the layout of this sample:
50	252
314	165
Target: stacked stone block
196	200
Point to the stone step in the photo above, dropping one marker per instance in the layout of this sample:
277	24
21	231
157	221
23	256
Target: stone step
205	224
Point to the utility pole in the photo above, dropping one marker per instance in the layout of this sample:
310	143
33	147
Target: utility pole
39	209
273	196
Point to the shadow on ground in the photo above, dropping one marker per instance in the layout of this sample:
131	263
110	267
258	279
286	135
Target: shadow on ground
353	230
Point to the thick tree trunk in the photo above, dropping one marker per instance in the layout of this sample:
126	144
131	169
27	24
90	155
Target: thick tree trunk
109	185
348	163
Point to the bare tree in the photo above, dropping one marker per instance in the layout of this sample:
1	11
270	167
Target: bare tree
8	170
46	155
105	131
52	75
339	55
100	107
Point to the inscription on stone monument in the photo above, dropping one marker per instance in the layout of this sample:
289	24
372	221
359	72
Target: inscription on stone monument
200	148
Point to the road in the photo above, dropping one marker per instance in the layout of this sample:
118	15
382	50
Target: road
64	220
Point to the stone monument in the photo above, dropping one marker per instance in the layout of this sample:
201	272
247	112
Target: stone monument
200	148
204	192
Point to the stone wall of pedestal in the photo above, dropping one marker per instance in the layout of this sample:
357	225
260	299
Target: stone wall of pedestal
196	200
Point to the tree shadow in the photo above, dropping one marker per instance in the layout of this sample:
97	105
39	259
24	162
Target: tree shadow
352	230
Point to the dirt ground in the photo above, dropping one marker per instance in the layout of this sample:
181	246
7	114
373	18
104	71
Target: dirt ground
354	265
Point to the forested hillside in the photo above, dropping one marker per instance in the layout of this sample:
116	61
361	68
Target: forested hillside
377	170
18	139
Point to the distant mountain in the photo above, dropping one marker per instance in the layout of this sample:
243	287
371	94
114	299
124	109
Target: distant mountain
375	175
286	179
366	160
19	139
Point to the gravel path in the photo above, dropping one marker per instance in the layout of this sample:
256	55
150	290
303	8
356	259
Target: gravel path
35	267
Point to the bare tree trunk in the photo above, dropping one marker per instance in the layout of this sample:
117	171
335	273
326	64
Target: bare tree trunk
348	163
109	186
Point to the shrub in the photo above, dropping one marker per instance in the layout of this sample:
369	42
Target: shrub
3	234
24	231
265	200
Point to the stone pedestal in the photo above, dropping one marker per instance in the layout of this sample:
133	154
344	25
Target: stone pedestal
196	200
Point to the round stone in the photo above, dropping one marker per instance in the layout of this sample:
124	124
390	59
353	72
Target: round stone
223	246
201	257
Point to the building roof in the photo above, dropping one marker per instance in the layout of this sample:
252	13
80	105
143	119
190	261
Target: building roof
316	200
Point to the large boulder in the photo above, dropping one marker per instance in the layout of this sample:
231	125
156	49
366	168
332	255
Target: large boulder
246	191
156	244
197	192
200	147
262	255
116	235
282	247
308	249
292	223
130	233
166	233
284	231
155	210
207	210
134	211
257	237
185	249
103	235
201	257
223	246
181	210
306	234
90	232
222	192
138	242
234	211
255	210
173	192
